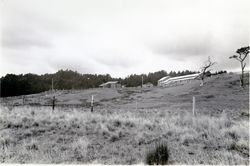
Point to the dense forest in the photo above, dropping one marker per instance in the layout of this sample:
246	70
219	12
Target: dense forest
14	85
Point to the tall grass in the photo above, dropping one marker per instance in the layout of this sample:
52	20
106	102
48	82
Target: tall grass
159	155
38	135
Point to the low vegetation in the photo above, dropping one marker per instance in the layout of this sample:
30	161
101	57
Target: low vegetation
38	135
158	156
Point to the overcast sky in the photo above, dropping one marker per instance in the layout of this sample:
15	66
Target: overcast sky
120	37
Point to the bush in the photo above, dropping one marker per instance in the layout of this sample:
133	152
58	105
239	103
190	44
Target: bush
117	123
32	113
114	138
129	124
158	156
246	114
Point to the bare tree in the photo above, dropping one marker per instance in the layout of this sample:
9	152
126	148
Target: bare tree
242	55
206	68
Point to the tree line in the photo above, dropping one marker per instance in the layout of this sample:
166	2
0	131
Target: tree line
23	84
14	85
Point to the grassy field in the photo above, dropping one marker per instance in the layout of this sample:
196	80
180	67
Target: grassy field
128	123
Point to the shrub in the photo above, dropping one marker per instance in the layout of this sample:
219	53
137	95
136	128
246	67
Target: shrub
117	123
243	149
149	127
32	146
32	113
35	124
158	156
114	138
209	96
129	124
110	128
4	143
246	114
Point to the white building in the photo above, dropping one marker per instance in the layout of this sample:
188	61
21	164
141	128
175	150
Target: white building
172	81
162	80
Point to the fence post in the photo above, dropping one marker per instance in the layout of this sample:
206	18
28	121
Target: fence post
53	102
194	113
92	103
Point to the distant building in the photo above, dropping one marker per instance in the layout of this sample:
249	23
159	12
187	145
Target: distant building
111	84
172	81
147	85
162	80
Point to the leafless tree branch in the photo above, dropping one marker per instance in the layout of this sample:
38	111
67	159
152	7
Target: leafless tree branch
205	68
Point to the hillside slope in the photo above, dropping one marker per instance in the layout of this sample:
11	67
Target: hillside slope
220	93
118	133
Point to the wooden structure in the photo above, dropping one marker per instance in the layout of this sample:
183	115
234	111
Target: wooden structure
111	84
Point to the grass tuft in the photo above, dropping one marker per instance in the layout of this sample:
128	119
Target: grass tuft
114	138
158	156
246	114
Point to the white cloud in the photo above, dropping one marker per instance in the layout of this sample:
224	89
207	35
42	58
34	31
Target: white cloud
120	37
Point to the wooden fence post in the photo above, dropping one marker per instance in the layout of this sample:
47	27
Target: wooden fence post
53	102
92	103
194	113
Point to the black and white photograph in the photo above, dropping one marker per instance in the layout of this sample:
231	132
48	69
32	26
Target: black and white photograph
124	82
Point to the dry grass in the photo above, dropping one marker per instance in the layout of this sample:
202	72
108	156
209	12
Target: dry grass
38	135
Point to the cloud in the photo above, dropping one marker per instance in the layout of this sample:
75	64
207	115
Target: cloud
184	47
120	37
19	38
22	29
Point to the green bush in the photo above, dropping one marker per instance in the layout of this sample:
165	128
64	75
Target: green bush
159	155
